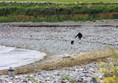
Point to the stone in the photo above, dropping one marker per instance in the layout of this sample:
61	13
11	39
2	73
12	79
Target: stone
101	76
63	81
80	80
1	81
93	80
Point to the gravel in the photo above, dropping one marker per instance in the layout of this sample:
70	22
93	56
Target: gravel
56	41
76	74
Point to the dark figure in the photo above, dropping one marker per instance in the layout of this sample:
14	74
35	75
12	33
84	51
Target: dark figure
79	35
72	42
11	72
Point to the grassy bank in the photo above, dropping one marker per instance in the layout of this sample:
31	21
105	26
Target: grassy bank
38	12
65	1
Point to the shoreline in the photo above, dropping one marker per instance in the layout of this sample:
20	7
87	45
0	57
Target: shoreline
56	40
97	23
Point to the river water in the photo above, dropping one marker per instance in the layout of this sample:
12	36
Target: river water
14	57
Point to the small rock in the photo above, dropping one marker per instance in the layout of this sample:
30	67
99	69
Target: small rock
93	80
80	80
101	76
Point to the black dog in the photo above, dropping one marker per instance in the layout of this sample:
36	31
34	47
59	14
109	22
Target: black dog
79	35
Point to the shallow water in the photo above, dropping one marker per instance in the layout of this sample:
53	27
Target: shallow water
15	57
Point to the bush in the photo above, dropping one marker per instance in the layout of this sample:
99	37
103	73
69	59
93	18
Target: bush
110	69
59	11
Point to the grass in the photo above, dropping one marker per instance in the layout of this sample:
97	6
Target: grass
86	58
65	1
69	78
18	12
78	60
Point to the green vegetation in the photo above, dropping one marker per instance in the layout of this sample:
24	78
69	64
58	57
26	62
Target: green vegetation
110	69
69	78
110	72
39	12
65	1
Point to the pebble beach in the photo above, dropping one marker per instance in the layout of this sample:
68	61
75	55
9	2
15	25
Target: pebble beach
55	39
81	74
